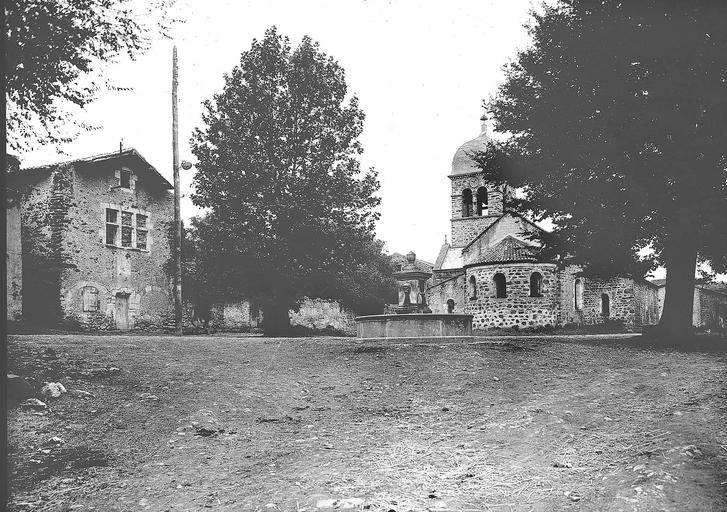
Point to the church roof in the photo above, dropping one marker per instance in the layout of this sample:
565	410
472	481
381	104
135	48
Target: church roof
509	249
462	162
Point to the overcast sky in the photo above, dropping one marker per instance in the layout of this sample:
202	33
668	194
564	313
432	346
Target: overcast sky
420	69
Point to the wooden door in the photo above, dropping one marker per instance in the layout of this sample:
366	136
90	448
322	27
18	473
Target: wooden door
122	312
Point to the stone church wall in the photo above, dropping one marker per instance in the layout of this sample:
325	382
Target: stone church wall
465	229
440	293
517	309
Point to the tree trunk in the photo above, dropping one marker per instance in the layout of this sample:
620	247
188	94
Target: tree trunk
276	320
680	258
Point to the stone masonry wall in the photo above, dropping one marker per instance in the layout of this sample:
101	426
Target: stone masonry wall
518	308
40	257
322	314
465	229
712	309
438	294
137	273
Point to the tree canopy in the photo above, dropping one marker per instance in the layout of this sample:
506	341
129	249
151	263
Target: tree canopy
54	52
290	211
616	117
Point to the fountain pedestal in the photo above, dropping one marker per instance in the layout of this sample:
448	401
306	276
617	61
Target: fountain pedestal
413	318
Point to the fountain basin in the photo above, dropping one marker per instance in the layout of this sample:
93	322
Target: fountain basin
414	325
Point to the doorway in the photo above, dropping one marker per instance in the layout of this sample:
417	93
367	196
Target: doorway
121	312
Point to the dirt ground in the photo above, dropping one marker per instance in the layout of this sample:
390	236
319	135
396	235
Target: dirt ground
247	423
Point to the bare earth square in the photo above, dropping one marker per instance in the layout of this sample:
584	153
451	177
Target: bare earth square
246	423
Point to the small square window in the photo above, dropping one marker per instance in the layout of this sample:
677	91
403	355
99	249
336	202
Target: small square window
126	236
126	218
111	230
125	181
141	239
140	221
112	216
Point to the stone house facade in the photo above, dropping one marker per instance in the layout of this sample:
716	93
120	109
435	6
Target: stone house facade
491	268
95	243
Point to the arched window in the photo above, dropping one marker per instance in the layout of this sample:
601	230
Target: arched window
89	295
473	287
500	285
482	201
450	306
536	284
578	294
605	305
466	203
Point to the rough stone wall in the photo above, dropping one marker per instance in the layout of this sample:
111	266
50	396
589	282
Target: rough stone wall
712	309
235	317
139	274
443	275
13	260
622	302
312	313
518	309
322	314
440	292
465	229
40	257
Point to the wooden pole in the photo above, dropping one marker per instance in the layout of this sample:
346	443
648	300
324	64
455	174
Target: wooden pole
177	214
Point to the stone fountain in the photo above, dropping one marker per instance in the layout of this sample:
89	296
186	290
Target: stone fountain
411	317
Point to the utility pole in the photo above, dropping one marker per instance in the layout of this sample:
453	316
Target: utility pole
177	214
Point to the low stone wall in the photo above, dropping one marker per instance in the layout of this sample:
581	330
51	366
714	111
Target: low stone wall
323	314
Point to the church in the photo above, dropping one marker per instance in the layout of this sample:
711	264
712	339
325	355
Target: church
490	267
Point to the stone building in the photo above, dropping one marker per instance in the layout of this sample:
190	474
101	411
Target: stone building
491	268
709	309
13	248
95	242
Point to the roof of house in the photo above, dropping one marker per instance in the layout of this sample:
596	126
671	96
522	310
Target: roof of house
657	282
129	153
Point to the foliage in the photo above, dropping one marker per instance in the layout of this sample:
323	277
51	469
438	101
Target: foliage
290	212
617	116
54	51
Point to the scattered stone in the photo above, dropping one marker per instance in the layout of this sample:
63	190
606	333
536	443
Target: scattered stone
78	393
562	465
55	440
148	396
35	404
52	390
496	379
346	503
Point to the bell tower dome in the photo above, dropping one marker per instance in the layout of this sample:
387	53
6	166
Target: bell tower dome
476	203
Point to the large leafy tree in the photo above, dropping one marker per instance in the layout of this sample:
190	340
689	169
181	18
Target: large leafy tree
54	53
617	124
290	212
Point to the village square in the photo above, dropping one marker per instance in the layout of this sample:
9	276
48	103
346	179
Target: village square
391	257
